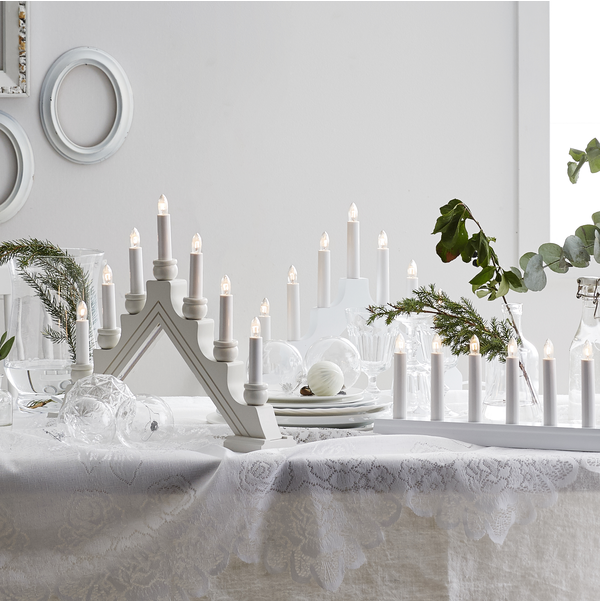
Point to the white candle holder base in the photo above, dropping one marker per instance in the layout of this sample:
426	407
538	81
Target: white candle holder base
165	269
250	444
195	309
134	302
81	371
108	337
225	351
256	394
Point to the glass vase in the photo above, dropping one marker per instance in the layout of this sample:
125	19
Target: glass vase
39	364
6	405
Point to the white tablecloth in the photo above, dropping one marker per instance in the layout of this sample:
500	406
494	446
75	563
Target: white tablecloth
358	516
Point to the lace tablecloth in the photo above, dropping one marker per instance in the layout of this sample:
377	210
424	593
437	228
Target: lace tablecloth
81	522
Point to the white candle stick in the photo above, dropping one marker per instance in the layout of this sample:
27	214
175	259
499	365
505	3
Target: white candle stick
109	307
82	335
437	379
226	311
164	229
412	281
265	319
383	270
136	269
474	380
549	375
255	354
512	383
324	273
400	384
196	268
293	306
353	244
588	388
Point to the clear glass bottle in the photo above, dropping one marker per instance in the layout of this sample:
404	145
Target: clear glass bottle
588	290
6	405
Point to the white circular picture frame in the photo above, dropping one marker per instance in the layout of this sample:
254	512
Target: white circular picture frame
25	166
49	105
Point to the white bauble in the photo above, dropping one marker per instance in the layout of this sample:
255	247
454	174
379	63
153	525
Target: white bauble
325	378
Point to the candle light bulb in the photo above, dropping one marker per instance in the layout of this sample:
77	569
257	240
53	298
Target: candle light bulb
292	275
163	205
324	241
513	348
588	351
436	344
353	213
82	310
134	238
225	285
474	345
196	243
548	349
382	240
412	269
255	328
400	344
107	275
265	306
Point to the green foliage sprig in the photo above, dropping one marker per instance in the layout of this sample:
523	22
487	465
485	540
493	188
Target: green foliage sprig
590	155
5	346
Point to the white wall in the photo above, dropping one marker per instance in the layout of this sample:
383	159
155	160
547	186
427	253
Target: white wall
262	122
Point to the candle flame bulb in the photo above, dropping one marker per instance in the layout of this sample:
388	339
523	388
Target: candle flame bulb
353	213
134	238
292	275
382	240
255	328
265	306
163	205
436	344
82	310
588	351
412	269
324	241
107	275
513	348
548	349
196	243
474	345
225	285
400	344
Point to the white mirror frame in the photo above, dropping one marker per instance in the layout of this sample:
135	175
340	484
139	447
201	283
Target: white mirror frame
25	166
14	69
49	105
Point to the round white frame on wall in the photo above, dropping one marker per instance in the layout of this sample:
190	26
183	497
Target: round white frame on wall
49	105
25	166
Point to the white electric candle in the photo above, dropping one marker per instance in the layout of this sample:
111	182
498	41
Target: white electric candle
136	269
109	307
512	383
265	319
437	379
255	354
412	281
293	305
82	335
400	384
383	270
226	311
588	388
474	380
196	268
324	273
164	229
353	244
549	375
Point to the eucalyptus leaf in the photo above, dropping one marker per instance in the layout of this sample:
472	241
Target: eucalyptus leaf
481	293
577	154
525	260
596	218
575	252
573	170
5	349
550	252
535	277
515	280
597	247
587	234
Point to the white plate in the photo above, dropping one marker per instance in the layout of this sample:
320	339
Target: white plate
351	395
369	406
355	420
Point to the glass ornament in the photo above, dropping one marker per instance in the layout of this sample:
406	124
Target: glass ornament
145	421
338	350
283	369
112	391
88	419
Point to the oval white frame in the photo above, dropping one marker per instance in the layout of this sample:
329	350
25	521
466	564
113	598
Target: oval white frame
25	166
49	105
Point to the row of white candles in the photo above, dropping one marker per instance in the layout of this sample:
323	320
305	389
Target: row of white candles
588	410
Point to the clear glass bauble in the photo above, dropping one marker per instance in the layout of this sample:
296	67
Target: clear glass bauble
147	421
283	369
338	350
